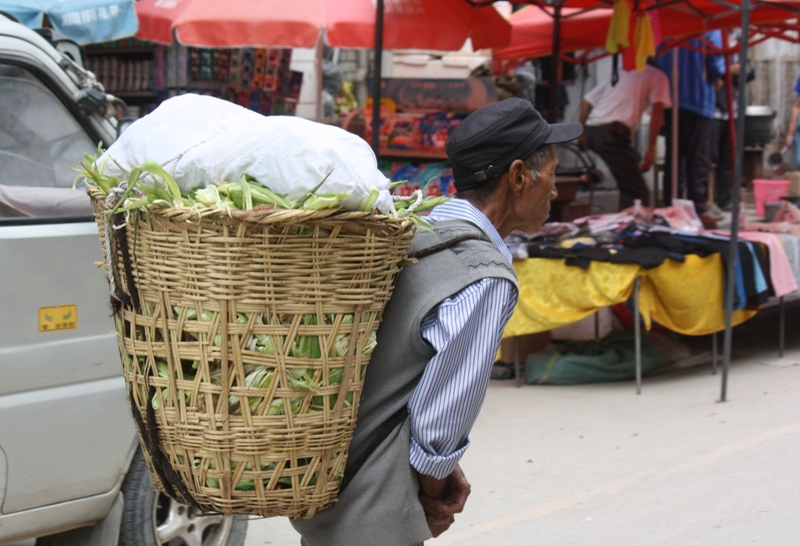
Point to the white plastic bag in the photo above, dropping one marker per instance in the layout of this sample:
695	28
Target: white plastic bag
202	140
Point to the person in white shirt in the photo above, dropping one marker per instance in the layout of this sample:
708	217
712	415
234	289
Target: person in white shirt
611	114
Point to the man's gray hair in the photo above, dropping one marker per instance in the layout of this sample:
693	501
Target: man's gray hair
535	162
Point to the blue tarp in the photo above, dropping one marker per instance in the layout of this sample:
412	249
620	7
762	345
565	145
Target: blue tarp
84	21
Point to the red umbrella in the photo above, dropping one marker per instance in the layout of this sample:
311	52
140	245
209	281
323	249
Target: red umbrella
532	28
408	24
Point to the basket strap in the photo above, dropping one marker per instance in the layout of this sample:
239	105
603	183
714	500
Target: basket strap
121	242
449	243
171	481
377	439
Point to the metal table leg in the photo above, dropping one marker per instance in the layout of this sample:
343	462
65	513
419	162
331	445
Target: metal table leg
517	373
597	324
714	353
638	335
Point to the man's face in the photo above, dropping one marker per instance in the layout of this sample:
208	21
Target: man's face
536	199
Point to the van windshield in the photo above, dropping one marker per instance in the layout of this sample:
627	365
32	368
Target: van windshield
39	141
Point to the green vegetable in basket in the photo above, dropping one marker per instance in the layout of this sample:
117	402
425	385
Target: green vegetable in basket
259	195
324	201
369	201
301	379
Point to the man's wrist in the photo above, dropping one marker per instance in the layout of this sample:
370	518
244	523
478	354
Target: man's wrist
433	487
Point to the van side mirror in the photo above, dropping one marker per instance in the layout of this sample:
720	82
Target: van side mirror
123	124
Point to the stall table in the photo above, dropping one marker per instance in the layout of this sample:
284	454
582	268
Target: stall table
553	294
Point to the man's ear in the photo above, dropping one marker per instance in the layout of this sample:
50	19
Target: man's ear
518	174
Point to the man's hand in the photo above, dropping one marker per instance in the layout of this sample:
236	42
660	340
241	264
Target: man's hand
582	144
789	140
647	162
443	499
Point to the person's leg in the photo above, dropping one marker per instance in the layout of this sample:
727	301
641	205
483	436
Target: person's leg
723	181
667	182
686	120
698	161
622	161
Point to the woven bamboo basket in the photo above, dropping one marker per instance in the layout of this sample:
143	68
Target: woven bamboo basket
210	310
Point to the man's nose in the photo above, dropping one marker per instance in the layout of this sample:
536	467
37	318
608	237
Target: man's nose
554	193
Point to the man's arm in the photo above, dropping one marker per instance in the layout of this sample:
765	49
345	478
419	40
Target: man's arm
465	331
656	121
586	109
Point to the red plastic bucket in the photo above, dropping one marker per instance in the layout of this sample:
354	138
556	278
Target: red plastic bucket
768	191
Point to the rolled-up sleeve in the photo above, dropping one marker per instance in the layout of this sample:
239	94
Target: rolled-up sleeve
465	330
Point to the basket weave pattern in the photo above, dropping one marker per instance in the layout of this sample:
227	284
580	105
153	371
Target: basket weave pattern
225	423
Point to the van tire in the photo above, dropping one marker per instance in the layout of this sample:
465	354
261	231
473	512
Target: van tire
146	512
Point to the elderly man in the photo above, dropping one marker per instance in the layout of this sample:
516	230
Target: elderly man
428	377
611	114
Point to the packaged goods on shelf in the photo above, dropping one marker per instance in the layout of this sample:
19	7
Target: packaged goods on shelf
145	74
436	127
434	179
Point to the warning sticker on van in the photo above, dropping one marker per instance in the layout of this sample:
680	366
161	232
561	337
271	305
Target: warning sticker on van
55	319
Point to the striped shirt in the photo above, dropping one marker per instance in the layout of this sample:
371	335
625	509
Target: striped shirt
465	329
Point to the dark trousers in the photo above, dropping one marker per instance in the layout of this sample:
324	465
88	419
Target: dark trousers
612	142
694	157
723	179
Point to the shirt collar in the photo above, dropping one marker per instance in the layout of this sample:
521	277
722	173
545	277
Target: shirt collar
461	209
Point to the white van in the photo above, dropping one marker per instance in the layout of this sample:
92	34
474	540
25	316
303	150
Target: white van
71	471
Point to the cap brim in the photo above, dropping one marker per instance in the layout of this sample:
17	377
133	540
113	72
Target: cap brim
564	132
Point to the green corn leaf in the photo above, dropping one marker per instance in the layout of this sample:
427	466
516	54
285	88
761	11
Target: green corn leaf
153	168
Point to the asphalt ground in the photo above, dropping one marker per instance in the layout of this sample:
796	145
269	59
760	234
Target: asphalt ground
600	465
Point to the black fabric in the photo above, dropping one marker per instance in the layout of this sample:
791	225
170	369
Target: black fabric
761	261
491	138
613	144
646	249
648	258
694	157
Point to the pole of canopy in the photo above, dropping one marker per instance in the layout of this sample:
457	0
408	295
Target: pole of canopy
726	44
376	78
555	71
730	279
674	136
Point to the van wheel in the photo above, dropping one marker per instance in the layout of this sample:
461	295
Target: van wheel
151	518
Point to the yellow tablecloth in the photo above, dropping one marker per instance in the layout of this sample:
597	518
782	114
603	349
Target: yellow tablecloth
685	297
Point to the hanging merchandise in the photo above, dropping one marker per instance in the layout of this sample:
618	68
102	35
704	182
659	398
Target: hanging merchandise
144	74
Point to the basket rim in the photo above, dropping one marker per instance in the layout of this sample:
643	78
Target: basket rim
259	215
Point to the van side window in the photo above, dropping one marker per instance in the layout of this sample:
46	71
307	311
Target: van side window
39	142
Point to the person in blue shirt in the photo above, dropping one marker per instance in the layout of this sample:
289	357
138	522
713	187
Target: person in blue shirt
791	132
700	75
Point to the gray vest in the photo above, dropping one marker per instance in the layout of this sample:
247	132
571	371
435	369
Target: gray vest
380	505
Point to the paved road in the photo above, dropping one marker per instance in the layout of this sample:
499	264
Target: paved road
598	465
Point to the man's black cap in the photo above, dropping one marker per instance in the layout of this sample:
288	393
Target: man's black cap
485	144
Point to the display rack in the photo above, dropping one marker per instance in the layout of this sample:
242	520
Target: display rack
144	74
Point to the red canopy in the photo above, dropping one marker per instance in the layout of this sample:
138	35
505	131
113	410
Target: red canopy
532	28
417	24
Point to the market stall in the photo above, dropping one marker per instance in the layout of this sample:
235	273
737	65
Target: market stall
569	271
636	37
